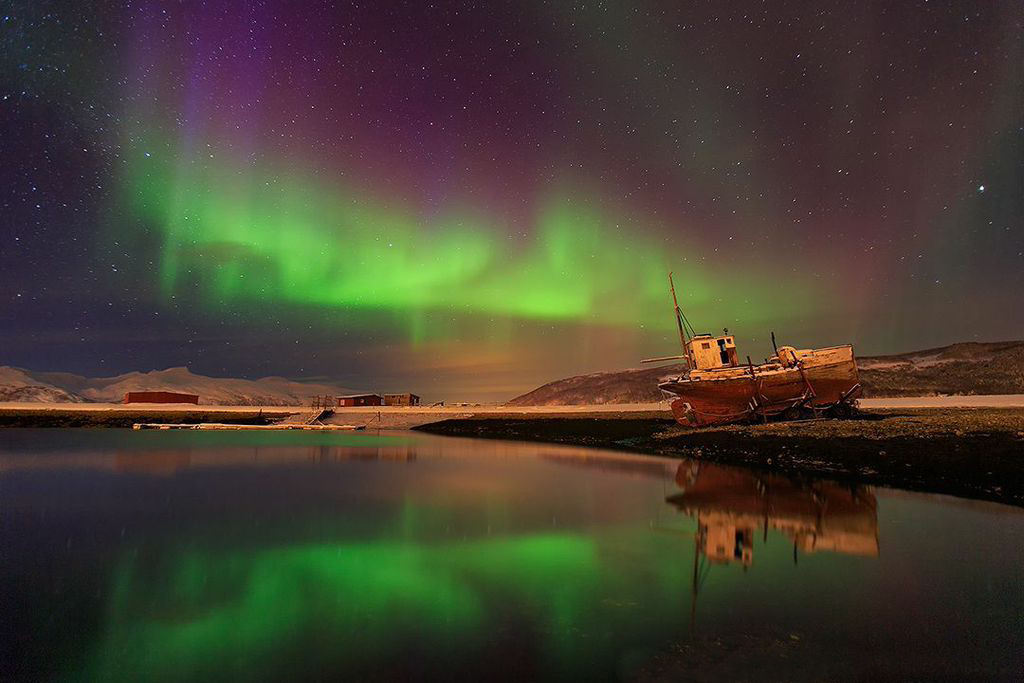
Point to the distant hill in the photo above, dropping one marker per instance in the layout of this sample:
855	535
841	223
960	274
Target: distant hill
958	369
17	384
624	386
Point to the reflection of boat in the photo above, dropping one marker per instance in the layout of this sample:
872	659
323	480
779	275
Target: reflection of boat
729	504
717	388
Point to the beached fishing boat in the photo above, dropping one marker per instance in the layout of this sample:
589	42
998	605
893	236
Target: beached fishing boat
717	388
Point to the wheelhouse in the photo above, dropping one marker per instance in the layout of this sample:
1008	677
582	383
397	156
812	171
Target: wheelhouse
706	352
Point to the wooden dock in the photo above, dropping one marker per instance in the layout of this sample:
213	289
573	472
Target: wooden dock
273	427
318	413
321	408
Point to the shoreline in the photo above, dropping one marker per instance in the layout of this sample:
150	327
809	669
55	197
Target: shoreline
973	453
949	448
121	415
375	417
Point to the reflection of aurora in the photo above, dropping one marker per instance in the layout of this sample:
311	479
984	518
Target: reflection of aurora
211	614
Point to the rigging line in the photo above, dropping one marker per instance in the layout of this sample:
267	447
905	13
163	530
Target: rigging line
704	571
687	324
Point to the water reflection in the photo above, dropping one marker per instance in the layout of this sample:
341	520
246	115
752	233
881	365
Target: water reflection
143	458
169	453
730	505
171	461
209	556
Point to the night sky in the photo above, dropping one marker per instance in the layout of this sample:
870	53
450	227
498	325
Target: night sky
468	199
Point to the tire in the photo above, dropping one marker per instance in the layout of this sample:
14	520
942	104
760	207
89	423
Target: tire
843	411
791	413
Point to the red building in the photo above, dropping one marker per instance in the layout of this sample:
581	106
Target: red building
405	399
159	397
360	400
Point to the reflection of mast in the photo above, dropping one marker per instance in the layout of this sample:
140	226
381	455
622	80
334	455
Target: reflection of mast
696	584
700	573
700	570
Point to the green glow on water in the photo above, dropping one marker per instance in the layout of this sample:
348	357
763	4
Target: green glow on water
204	615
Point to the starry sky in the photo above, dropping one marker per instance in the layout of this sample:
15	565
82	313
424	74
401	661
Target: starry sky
467	199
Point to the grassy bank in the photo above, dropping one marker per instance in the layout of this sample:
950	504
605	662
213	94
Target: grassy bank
977	453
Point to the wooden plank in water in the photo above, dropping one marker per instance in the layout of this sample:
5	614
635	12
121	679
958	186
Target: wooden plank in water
218	426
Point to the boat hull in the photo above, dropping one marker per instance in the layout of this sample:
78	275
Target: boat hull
815	384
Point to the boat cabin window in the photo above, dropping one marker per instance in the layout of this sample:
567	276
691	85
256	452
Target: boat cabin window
706	345
722	352
737	549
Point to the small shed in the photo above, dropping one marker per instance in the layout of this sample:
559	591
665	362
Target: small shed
401	399
160	397
360	400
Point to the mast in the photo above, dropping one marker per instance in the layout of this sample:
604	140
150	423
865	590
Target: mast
679	313
685	330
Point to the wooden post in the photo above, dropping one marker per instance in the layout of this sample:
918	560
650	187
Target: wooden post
753	383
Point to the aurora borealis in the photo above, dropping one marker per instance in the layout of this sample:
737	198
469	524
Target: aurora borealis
469	199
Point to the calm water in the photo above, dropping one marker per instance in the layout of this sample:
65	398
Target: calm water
138	556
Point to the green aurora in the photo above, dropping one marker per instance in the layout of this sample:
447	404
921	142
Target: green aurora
236	234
